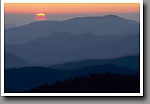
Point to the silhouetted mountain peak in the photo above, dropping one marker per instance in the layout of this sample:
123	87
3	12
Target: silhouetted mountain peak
92	18
112	16
109	24
96	18
118	18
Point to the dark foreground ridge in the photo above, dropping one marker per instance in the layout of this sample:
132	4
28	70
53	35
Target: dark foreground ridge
26	78
94	83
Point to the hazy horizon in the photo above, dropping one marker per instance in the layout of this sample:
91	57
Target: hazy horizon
24	13
22	19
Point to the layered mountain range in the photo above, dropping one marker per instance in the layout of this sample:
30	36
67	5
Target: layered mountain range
104	25
46	43
46	51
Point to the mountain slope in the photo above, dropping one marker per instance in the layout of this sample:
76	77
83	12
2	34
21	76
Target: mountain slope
105	25
23	79
10	26
66	47
94	83
128	61
13	61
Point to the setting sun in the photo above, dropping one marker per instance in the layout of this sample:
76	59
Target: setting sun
40	16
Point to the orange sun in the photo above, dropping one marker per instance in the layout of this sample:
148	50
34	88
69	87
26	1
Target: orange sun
40	17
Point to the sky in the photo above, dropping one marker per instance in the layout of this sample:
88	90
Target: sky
23	13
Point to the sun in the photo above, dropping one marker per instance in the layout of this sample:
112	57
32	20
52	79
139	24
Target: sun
40	17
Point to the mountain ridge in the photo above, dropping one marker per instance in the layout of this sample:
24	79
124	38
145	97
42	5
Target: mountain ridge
122	61
13	61
44	75
60	49
78	18
105	25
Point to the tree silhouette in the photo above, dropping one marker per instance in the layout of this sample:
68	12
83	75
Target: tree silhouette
94	83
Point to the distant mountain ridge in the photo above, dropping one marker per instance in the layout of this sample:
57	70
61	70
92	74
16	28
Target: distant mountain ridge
104	25
128	61
66	47
102	18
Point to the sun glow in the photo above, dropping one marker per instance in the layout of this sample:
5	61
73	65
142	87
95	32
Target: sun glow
40	16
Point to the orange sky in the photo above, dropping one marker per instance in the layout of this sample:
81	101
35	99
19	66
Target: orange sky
71	8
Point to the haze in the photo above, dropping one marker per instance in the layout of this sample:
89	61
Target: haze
17	14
